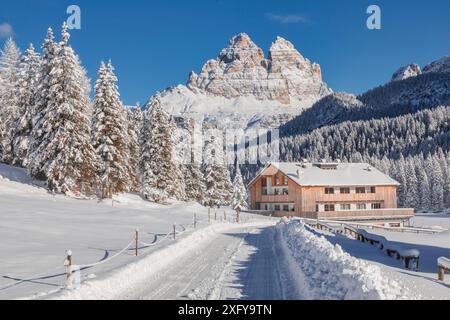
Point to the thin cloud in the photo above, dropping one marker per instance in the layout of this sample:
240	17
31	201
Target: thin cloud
288	18
6	30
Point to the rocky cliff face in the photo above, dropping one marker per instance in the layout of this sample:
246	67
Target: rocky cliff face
241	70
412	70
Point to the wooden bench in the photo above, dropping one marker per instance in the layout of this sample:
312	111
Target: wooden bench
443	266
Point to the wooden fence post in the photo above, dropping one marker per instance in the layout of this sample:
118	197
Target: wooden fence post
209	215
136	238
224	216
441	273
68	264
174	231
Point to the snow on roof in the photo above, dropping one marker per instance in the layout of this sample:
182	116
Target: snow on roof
344	174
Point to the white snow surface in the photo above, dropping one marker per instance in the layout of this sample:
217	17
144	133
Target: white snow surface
331	273
431	247
233	113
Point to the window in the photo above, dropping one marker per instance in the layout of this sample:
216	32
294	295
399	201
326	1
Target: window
286	207
264	182
360	190
373	190
264	191
277	207
285	192
317	208
345	206
345	190
277	180
376	206
329	207
277	192
266	207
285	180
329	190
361	206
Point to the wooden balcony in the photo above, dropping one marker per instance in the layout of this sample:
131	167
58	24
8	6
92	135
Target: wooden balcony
275	199
401	213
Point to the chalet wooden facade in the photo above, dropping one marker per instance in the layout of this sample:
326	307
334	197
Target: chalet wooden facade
332	191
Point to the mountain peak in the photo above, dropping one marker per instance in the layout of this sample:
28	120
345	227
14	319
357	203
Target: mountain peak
282	44
411	70
241	69
241	40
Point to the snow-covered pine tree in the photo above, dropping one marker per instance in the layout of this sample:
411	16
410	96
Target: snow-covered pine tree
1	137
435	177
411	197
423	187
240	191
159	170
219	189
66	155
9	73
49	50
194	184
399	174
28	84
445	177
134	124
110	134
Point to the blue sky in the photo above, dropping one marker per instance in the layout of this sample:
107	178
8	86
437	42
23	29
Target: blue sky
155	44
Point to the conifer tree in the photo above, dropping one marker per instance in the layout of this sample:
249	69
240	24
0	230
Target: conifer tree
436	184
9	74
110	134
27	92
134	124
160	179
65	154
239	190
49	50
219	189
411	197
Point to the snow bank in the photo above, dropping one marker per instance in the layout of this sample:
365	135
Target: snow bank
331	274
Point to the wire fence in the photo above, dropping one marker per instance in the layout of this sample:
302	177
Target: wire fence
70	268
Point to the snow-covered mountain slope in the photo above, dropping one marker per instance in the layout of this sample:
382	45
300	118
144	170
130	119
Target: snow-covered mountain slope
441	65
334	108
428	89
241	87
410	91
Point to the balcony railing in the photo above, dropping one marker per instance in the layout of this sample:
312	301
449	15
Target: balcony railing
275	198
363	214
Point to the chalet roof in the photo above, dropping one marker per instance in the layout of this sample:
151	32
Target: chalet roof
344	174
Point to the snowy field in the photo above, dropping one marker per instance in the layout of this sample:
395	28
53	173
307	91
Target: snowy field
36	229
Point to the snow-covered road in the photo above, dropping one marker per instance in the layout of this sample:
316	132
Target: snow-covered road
239	264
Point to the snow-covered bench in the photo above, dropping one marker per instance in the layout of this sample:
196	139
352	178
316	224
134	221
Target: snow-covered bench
443	266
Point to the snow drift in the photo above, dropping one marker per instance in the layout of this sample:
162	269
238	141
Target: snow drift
331	274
